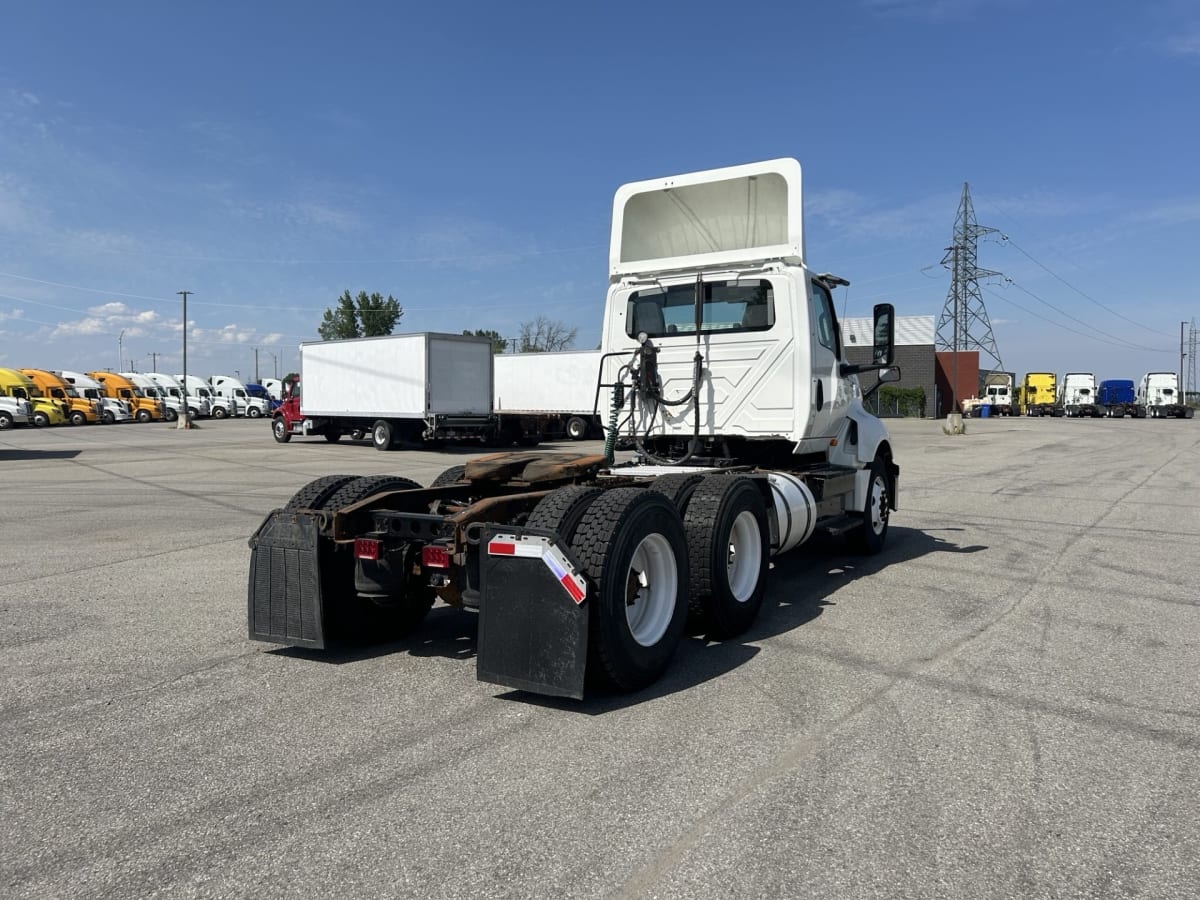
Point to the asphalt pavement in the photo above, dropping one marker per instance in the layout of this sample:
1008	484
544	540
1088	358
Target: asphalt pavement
1001	704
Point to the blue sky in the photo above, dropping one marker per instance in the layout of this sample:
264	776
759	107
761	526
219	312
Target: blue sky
462	157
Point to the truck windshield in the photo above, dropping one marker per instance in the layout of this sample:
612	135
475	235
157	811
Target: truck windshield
746	304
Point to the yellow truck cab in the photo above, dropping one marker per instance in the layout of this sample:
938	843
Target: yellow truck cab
81	410
144	408
46	410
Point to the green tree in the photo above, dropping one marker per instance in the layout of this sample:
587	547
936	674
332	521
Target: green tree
367	315
499	344
541	335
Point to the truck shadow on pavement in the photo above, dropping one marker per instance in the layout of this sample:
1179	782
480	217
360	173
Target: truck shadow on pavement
802	584
16	455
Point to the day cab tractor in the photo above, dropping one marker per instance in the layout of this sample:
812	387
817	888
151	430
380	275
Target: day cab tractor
722	368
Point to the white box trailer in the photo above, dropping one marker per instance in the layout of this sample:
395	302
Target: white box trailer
551	394
399	388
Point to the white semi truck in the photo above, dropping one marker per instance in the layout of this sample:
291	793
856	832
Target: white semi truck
222	407
722	364
171	388
233	390
1159	393
401	389
1077	395
548	394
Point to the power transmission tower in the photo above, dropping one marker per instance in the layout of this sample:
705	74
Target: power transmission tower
964	324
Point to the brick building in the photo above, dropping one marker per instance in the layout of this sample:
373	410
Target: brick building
914	355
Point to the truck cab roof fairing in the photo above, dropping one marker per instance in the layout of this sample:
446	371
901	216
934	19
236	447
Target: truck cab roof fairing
684	221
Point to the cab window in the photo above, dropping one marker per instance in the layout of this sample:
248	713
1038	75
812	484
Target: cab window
826	319
743	304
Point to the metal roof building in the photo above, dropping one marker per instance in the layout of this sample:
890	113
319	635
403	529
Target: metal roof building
915	338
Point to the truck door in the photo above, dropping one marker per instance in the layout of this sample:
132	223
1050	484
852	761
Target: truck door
830	398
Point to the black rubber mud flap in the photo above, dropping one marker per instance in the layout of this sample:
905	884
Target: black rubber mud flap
285	581
533	618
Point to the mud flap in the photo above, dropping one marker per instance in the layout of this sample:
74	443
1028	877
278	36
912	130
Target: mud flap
284	603
533	618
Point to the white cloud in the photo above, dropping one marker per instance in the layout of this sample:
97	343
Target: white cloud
112	308
89	325
271	339
11	314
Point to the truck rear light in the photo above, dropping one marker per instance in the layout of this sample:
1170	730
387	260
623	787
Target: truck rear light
435	556
367	548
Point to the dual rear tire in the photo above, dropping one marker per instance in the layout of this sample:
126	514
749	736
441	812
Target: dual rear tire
632	545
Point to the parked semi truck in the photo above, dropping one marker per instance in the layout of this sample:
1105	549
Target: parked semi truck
1159	392
401	389
144	409
172	388
1077	395
548	394
274	388
260	392
171	406
235	392
112	409
1117	398
44	410
1037	395
222	407
998	392
722	365
80	410
14	410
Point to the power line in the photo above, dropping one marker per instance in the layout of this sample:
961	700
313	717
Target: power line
1006	238
1121	342
1081	293
1090	337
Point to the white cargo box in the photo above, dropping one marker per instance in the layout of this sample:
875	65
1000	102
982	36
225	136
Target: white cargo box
399	376
559	382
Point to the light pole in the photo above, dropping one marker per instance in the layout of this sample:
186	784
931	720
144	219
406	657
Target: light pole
121	350
185	421
275	360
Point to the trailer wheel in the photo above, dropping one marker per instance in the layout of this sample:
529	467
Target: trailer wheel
678	486
78	418
333	436
279	430
381	435
314	494
631	546
870	536
728	536
452	475
562	510
577	428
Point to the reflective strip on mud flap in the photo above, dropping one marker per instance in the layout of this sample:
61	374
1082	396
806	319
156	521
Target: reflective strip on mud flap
533	545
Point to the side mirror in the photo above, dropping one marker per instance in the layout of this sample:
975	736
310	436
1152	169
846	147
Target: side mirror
885	376
889	375
885	334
